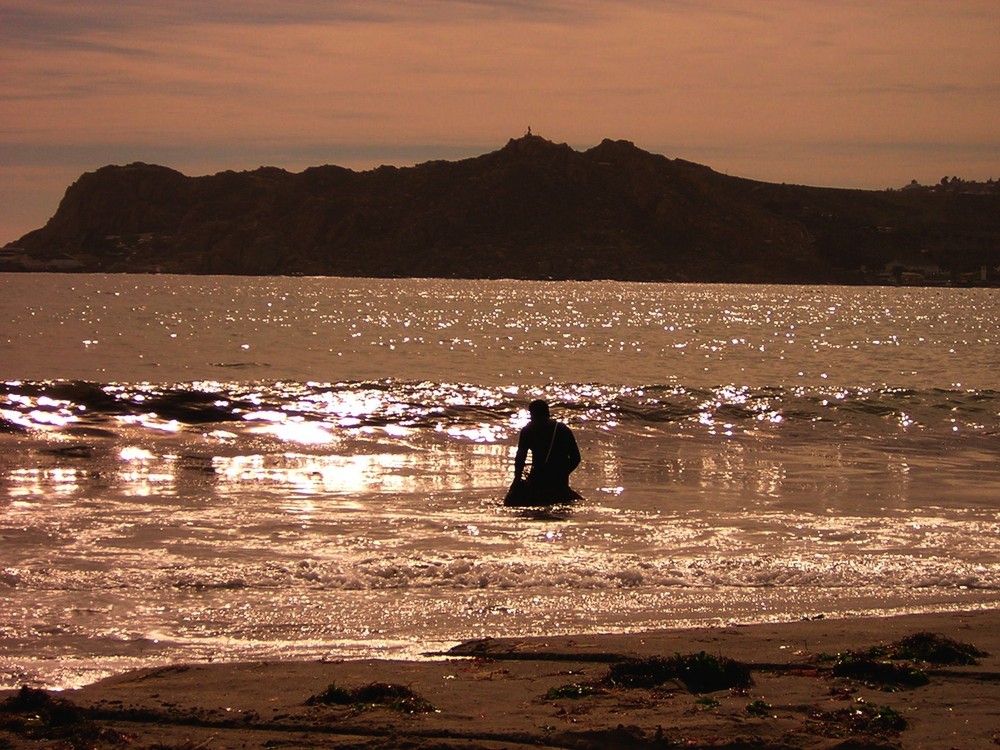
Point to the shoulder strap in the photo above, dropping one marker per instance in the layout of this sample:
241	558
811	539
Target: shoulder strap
555	429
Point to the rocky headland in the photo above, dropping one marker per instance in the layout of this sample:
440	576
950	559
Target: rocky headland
533	210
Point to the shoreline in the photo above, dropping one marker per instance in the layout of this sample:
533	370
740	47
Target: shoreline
558	692
870	283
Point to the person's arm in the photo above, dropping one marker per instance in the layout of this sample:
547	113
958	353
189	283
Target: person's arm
521	456
572	451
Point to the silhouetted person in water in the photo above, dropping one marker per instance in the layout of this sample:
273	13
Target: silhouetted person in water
554	456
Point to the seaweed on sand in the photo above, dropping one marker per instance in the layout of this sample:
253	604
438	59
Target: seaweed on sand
878	672
387	695
760	708
34	714
333	695
574	691
863	718
926	647
699	673
878	664
934	649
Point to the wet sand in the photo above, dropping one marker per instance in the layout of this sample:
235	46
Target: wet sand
552	692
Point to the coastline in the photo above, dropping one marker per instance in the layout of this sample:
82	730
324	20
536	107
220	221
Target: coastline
554	692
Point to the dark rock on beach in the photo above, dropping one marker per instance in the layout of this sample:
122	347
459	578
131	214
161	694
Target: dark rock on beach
534	210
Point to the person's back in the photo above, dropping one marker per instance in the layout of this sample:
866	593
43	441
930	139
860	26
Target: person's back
553	450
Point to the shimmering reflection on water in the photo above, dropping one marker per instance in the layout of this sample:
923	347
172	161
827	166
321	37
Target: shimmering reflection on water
312	467
494	332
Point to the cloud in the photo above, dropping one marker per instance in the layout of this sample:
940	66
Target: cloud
55	22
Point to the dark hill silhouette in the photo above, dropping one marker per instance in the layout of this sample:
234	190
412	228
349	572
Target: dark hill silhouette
534	209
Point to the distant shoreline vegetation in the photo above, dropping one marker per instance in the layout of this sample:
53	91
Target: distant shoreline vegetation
533	209
957	185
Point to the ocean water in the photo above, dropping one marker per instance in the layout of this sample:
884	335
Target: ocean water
220	468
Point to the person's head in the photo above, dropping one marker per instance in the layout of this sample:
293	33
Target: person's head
539	411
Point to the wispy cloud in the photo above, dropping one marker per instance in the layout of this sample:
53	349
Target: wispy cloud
37	22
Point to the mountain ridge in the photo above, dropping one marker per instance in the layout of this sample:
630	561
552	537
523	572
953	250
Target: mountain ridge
532	209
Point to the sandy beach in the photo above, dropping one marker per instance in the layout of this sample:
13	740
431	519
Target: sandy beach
787	689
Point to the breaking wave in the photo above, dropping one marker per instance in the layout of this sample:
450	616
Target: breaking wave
79	406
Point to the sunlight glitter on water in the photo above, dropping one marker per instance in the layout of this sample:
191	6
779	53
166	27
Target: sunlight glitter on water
751	453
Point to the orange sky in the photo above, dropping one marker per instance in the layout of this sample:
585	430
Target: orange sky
849	93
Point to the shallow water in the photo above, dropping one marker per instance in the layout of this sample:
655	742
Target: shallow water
227	468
